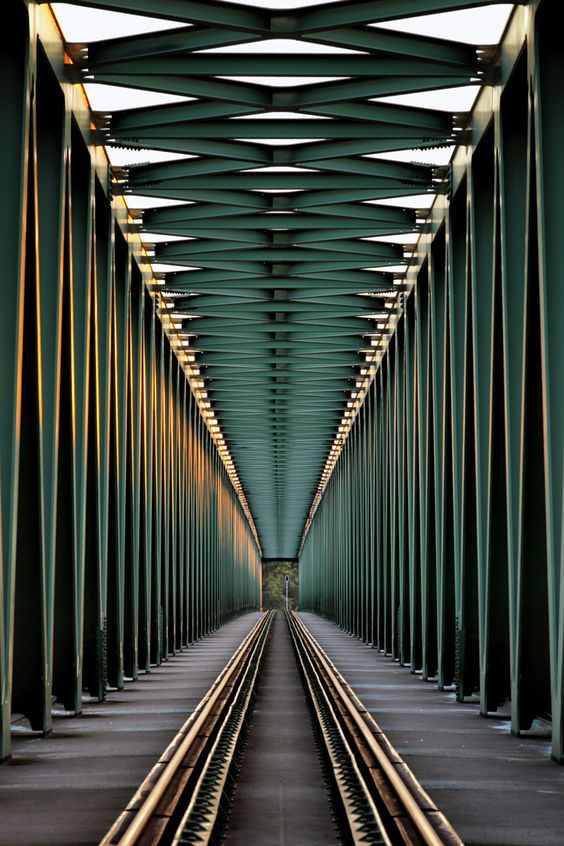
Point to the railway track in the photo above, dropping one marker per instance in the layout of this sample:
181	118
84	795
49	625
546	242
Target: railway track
182	799
186	798
379	799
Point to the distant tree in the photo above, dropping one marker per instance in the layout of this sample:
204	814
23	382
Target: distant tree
273	585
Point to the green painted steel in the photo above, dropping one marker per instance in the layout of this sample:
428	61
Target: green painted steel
276	216
122	538
439	537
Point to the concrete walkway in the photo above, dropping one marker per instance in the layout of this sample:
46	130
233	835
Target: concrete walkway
496	789
66	789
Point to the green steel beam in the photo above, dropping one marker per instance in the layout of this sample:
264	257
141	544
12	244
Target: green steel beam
398	43
166	43
191	169
272	64
346	13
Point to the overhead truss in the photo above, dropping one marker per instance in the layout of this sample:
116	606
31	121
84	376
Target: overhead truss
286	216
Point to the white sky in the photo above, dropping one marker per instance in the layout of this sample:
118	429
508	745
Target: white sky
388	268
282	45
280	116
280	169
112	98
472	26
79	23
139	201
121	157
412	201
284	81
158	238
434	156
403	238
446	100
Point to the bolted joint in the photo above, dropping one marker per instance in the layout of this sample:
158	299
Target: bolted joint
490	74
99	137
74	73
284	24
282	202
284	99
282	156
118	189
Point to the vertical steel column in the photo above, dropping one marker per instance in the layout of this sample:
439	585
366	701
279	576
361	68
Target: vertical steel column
103	454
546	71
466	419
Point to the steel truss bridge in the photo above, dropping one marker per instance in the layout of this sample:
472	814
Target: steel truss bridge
277	357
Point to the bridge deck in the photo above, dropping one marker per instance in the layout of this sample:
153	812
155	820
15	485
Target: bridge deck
67	788
496	789
280	797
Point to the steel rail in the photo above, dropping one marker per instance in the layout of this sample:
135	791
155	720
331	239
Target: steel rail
364	823
365	727
200	821
118	835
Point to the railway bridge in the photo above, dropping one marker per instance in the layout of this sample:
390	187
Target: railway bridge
283	282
